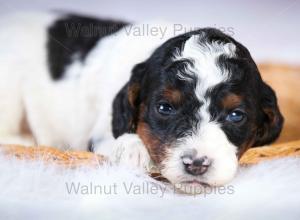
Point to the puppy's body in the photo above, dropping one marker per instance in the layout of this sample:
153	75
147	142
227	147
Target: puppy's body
191	104
63	108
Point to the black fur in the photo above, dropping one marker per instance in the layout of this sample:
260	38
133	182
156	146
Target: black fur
271	121
75	35
125	114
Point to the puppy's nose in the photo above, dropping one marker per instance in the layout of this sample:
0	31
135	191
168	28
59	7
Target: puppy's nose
197	166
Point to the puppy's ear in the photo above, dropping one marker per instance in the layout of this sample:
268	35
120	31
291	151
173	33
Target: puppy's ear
126	103
271	121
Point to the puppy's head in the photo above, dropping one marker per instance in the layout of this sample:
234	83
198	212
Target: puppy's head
198	103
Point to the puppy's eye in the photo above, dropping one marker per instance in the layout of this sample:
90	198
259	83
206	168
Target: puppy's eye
236	116
165	109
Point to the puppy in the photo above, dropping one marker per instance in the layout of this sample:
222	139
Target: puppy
189	105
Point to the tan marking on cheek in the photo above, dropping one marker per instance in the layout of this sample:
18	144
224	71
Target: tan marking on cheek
172	95
231	101
153	144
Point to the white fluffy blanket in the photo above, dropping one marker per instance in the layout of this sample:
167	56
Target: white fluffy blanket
33	190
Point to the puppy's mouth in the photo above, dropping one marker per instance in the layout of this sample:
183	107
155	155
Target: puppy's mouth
195	182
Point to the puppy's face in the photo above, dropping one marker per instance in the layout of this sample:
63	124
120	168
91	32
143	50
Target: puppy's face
198	103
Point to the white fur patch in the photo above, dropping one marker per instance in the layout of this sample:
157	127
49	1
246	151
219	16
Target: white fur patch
128	150
209	141
204	58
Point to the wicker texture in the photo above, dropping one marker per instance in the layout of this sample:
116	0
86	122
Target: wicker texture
80	158
53	155
255	155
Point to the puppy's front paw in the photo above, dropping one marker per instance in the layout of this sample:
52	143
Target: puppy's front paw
130	150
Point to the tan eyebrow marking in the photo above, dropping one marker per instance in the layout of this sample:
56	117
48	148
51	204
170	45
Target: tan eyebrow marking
231	101
172	95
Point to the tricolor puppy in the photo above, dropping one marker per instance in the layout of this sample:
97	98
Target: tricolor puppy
189	105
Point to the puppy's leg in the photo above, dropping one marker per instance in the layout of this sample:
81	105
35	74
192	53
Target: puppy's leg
12	114
127	149
12	109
